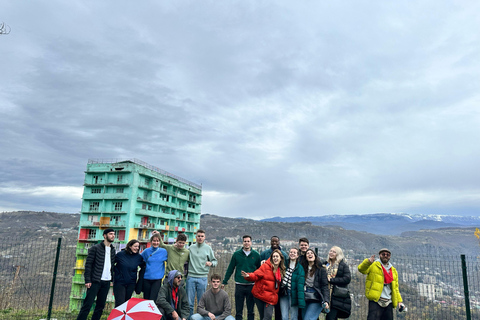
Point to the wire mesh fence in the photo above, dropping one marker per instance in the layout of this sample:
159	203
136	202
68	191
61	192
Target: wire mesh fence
432	287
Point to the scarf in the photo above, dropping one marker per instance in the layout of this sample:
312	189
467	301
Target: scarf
387	275
175	298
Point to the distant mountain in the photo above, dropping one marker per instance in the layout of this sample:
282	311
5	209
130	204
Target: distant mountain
386	223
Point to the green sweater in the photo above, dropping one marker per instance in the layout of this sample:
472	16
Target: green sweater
241	262
199	255
176	257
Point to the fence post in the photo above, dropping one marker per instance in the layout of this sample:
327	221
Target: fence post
465	287
52	291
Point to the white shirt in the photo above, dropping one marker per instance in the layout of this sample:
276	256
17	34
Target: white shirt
107	265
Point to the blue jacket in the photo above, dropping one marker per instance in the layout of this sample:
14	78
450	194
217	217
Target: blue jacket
126	267
155	260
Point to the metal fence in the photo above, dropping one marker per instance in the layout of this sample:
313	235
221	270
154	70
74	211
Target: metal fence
432	287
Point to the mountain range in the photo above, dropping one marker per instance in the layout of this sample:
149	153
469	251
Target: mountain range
386	223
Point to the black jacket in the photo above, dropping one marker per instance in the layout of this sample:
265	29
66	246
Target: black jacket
95	260
342	279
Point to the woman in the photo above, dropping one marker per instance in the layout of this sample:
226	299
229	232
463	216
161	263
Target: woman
155	258
316	286
338	274
267	282
125	271
294	282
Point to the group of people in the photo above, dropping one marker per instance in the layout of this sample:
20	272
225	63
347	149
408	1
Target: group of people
294	286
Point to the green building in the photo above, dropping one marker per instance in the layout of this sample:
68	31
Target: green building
134	198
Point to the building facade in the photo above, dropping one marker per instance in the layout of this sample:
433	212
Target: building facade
134	198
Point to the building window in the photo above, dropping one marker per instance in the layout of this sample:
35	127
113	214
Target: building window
92	233
144	206
150	208
119	190
95	179
118	206
114	220
94	206
119	178
96	190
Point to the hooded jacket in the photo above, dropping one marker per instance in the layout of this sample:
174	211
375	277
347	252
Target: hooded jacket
375	281
165	300
265	287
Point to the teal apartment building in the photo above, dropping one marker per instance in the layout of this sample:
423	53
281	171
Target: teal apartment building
134	198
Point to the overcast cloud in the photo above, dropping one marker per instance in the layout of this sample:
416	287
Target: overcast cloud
278	108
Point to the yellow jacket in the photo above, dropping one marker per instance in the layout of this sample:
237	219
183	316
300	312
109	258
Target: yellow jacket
374	283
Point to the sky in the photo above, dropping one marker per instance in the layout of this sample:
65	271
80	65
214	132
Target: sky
277	108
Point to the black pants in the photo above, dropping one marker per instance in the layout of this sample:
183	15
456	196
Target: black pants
122	292
242	293
150	289
376	312
332	315
264	309
97	290
278	311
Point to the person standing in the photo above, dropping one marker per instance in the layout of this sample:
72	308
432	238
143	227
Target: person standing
177	253
125	271
214	303
267	282
248	260
338	274
172	299
201	259
303	245
98	275
316	293
293	282
381	286
154	258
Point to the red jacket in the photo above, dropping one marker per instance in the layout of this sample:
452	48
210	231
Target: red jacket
264	287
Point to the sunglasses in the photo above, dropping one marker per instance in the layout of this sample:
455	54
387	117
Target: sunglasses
385	254
178	277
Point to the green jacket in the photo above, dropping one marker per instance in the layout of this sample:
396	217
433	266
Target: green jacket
375	281
164	301
241	262
298	283
176	258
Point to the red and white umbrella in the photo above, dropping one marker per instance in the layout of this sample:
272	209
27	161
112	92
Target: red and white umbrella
136	309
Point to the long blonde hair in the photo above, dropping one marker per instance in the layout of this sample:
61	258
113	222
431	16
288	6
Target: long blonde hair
339	256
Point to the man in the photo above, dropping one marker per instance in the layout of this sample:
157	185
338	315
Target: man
381	286
98	275
214	304
303	245
274	244
248	260
172	298
201	258
177	253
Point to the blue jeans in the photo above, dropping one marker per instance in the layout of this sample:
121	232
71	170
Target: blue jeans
286	307
198	316
195	286
312	311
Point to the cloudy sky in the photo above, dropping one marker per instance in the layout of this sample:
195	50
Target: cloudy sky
278	108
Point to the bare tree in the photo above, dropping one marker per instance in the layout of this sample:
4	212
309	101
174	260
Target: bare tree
4	29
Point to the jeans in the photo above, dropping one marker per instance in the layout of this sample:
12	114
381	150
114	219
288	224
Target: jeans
150	289
195	286
198	316
242	293
286	307
264	309
122	292
376	312
97	290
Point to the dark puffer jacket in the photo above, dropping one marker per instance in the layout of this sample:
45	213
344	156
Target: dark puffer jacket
342	279
95	260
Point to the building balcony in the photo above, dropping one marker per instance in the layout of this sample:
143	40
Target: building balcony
113	224
162	227
143	238
191	209
81	251
87	223
144	225
182	196
146	200
78	279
